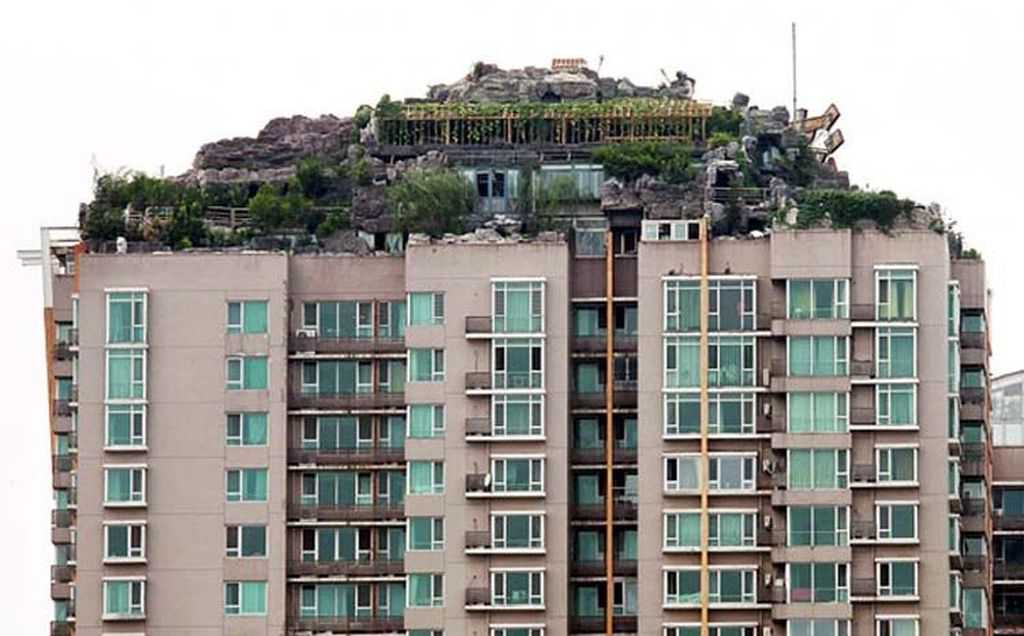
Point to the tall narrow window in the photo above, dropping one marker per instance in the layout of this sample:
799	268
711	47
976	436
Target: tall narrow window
518	306
896	298
126	317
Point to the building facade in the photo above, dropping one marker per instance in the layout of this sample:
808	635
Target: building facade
634	427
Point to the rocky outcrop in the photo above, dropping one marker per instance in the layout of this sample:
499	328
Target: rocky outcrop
489	83
282	142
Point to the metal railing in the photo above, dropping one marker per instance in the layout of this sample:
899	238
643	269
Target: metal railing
341	456
478	539
478	380
362	567
597	455
345	624
336	344
345	401
478	426
622	510
369	512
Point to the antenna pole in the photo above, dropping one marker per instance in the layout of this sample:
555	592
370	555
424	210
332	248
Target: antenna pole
794	69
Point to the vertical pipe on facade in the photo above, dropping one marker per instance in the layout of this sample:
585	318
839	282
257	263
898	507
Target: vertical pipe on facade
704	468
609	434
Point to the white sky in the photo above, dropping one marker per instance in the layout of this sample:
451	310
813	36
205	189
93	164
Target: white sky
929	96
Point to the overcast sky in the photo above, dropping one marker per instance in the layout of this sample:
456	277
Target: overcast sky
929	97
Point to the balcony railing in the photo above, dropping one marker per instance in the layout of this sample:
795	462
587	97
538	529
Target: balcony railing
62	628
62	573
864	474
862	416
346	624
346	513
300	343
478	539
864	530
623	396
62	348
975	562
62	424
862	368
622	510
973	506
62	408
862	312
1009	617
63	463
62	518
597	455
1008	571
1009	521
596	624
479	325
972	340
342	456
478	426
972	395
597	567
478	596
345	401
864	587
60	591
365	567
478	380
599	344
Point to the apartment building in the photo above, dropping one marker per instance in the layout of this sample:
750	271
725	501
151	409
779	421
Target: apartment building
453	440
1007	490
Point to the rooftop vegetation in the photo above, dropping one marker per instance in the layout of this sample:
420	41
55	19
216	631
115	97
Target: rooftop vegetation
849	208
672	162
432	201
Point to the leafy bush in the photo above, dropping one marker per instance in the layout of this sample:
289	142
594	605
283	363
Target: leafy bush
270	210
434	201
846	208
724	120
334	220
667	160
720	138
312	178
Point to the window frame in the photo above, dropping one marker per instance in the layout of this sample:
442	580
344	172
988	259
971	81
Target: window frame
242	472
887	274
886	591
139	299
233	441
500	402
437	358
437	420
840	581
499	519
238	586
840	305
238	530
139	550
535	288
499	363
841	531
239	327
883	395
138	439
840	362
883	351
239	385
532	592
884	522
842	468
436	544
139	374
437	309
436	595
888	450
435	487
137	486
536	487
132	581
840	412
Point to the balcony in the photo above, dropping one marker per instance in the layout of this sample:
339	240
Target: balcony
596	624
62	518
863	530
63	349
60	536
971	395
974	412
862	416
62	424
62	573
478	426
622	510
478	597
623	397
592	567
598	345
864	474
973	460
863	588
590	456
61	479
63	463
60	591
62	628
62	408
300	343
1009	521
361	568
346	456
862	369
1008	571
1009	617
478	381
346	624
972	340
975	563
345	401
379	512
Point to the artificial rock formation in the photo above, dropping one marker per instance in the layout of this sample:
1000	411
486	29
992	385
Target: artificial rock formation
282	143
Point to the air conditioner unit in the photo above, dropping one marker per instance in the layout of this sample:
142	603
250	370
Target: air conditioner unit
306	332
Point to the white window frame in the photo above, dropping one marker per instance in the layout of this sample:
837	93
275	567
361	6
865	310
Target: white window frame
536	487
138	486
136	553
745	371
236	552
837	624
500	378
883	351
137	321
749	460
840	294
138	441
842	471
536	596
673	600
840	581
748	593
435	488
841	360
890	273
236	328
141	605
499	402
502	630
883	630
437	357
499	539
670	376
241	484
840	410
536	289
842	529
436	589
437	420
239	385
672	486
438	312
132	353
885	591
883	394
266	593
883	521
886	450
436	544
239	440
714	538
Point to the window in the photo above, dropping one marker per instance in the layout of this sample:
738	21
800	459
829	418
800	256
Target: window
728	413
682	587
426	420
426	477
518	363
124	598
896	627
513	631
246	372
818	582
732	585
731	360
517	588
897	578
818	412
517	531
126	374
954	534
426	365
817	468
825	299
518	306
817	355
124	542
347	319
426	590
682	362
682	473
681	530
895	295
731	305
517	415
126	425
245	598
341	377
732	529
975	608
519	474
897	404
246	484
731	472
817	526
125	486
426	533
425	632
126	317
589	237
682	305
246	541
247	316
897	353
897	465
246	429
955	592
896	522
953	366
391	319
426	308
817	627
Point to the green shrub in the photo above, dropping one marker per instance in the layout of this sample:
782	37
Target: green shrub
724	120
312	178
433	201
720	138
334	220
271	211
846	208
628	161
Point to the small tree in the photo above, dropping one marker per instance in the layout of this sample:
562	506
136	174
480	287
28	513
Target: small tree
268	209
433	201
